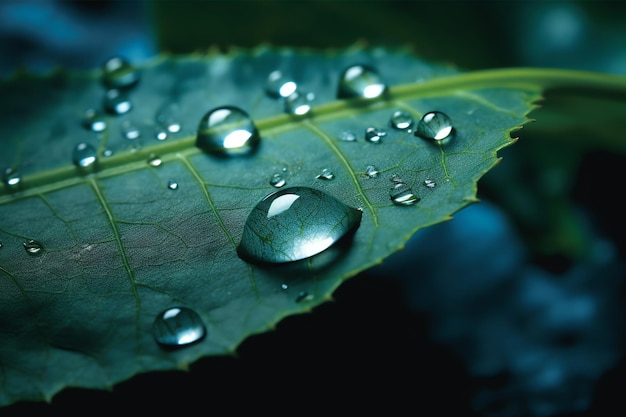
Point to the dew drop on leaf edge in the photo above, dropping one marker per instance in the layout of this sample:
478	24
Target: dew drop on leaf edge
178	327
227	131
295	223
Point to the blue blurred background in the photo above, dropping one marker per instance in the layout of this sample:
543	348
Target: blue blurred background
468	320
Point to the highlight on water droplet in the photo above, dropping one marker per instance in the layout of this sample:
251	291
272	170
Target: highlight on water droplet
130	130
402	195
94	121
172	185
169	119
277	180
374	135
178	327
279	85
401	120
303	296
435	126
326	174
33	247
295	223
11	178
362	81
299	103
84	155
118	73
227	131
154	160
117	102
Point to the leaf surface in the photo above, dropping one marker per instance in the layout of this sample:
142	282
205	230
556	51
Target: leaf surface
119	246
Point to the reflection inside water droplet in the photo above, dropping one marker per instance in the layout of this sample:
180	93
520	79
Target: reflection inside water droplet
299	103
435	125
177	327
94	121
84	155
119	73
295	223
402	195
33	247
277	181
361	81
374	135
279	85
401	120
228	131
117	102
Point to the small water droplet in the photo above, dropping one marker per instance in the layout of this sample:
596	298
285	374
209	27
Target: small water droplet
0	245
160	134
107	152
177	327
172	185
434	125
430	183
371	171
401	120
303	296
168	117
279	85
277	181
299	103
119	73
295	223
228	131
116	102
347	136
402	195
84	155
155	160
130	130
361	81
374	135
326	174
94	121
11	178
33	247
282	286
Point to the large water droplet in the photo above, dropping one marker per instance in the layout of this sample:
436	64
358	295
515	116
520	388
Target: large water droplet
11	178
374	135
33	247
401	120
434	125
295	223
279	85
177	327
84	155
117	102
119	73
94	121
361	81
299	103
402	195
227	131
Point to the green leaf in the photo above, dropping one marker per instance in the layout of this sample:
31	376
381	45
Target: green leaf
118	247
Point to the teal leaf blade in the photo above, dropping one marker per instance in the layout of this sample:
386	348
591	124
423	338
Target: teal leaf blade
120	246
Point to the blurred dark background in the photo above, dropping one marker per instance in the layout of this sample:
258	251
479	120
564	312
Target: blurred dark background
514	308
